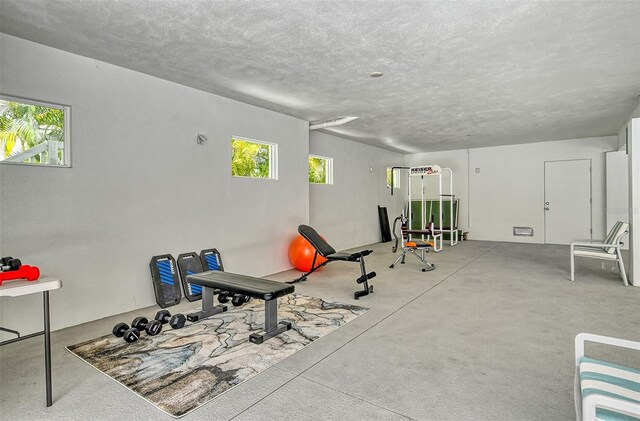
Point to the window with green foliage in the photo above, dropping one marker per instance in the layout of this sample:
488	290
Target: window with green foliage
33	133
251	158
320	169
396	178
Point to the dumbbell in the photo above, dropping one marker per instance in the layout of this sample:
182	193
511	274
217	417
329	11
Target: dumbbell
223	296
236	299
9	263
152	327
122	330
239	299
176	321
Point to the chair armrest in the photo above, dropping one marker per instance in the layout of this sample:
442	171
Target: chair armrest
594	245
581	338
587	240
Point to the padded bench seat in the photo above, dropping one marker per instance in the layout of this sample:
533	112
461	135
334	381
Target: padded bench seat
259	288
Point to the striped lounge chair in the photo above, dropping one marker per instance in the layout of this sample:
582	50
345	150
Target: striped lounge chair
607	249
604	390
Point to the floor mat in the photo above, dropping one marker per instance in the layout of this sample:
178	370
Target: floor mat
180	370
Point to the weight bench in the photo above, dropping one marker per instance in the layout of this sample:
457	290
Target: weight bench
262	289
325	250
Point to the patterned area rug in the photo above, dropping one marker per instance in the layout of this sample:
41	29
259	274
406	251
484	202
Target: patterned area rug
180	370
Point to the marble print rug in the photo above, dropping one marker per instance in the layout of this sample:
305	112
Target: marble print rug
180	370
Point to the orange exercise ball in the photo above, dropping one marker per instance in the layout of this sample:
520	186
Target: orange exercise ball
301	254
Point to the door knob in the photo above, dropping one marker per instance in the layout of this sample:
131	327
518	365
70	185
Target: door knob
547	208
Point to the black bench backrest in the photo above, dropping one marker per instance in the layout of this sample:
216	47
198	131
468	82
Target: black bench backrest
316	241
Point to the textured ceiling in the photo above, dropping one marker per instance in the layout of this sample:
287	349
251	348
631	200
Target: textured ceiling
456	74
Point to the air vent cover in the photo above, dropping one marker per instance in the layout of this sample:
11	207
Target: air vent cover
523	231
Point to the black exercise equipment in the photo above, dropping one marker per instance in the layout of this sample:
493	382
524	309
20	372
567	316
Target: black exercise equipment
223	296
385	231
325	250
236	299
9	263
152	327
263	289
176	321
122	330
239	299
412	246
189	264
211	260
166	285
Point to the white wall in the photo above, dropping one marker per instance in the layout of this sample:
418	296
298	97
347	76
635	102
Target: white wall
139	186
617	188
508	190
622	135
346	212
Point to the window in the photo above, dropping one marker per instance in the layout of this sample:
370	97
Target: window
251	158
396	178
320	169
34	133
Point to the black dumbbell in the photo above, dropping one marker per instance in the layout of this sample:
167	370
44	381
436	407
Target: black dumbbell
9	263
152	327
223	296
122	330
240	299
176	321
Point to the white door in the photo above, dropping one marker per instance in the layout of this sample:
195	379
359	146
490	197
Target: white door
567	201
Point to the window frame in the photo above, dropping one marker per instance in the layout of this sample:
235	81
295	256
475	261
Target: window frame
328	169
273	157
395	178
66	151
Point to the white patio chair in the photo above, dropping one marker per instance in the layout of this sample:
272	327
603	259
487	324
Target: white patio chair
604	390
607	249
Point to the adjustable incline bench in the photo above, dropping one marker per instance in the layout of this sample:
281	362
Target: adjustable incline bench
325	250
262	289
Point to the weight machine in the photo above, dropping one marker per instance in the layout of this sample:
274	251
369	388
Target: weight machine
430	229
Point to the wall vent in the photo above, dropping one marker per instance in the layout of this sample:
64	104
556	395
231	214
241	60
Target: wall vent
523	231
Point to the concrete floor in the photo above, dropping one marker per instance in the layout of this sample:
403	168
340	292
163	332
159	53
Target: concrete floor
488	335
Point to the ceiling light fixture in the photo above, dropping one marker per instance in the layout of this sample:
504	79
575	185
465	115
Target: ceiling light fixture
375	74
330	123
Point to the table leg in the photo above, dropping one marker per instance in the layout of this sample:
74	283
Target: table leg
47	346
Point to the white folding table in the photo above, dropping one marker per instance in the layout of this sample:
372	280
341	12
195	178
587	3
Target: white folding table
17	288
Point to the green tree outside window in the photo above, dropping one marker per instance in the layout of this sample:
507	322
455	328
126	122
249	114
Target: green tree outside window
250	159
317	170
23	126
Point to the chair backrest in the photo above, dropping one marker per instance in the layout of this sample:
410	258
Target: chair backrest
316	241
615	235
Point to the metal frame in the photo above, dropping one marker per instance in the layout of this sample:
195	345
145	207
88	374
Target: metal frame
431	170
208	307
47	344
271	323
